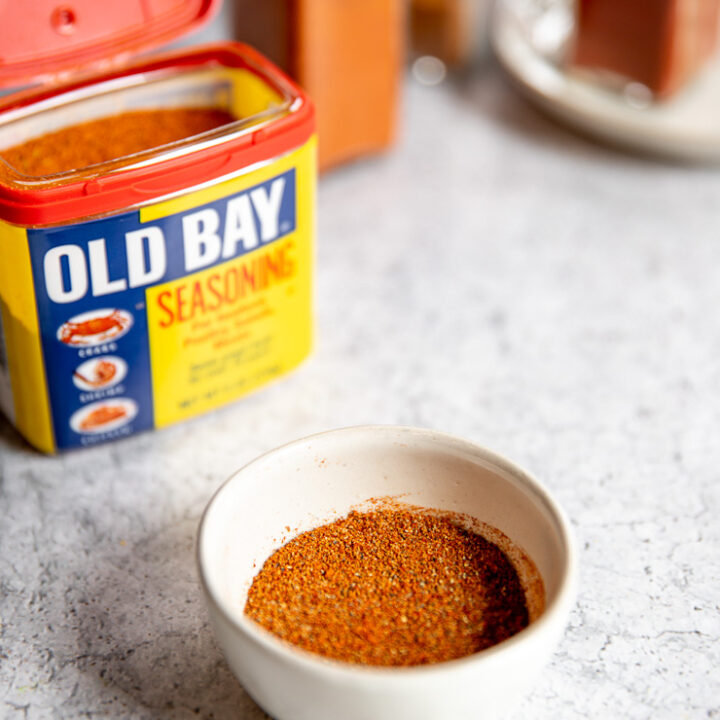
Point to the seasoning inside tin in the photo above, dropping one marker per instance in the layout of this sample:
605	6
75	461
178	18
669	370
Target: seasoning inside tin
110	138
390	587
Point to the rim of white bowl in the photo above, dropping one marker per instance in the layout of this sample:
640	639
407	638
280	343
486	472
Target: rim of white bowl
560	604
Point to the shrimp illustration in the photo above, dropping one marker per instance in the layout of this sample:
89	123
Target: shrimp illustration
108	326
104	371
102	416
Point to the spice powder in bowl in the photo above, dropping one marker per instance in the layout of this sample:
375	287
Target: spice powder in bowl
395	587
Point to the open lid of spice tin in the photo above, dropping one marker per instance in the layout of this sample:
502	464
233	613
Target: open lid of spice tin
80	52
47	38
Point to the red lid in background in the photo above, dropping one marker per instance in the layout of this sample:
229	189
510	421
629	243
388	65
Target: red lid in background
40	39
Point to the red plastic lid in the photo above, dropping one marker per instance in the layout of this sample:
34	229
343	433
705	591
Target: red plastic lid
42	39
139	184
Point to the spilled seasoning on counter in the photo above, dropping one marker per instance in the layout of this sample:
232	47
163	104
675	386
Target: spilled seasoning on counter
389	587
110	138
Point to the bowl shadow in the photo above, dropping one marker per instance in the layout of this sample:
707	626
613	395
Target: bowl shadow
143	636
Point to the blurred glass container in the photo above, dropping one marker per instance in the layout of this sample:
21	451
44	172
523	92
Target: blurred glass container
454	31
644	73
347	54
661	44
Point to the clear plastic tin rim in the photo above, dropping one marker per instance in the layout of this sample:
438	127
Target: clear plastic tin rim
33	201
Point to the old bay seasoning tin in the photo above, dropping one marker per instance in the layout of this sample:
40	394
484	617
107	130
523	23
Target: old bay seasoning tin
145	290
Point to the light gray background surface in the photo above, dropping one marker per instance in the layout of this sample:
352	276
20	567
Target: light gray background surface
495	277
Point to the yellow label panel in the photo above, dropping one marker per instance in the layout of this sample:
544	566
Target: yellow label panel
219	333
223	332
22	350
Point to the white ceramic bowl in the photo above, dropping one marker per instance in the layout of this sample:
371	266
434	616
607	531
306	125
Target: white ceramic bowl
318	479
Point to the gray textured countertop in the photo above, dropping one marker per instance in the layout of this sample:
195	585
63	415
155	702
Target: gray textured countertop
498	278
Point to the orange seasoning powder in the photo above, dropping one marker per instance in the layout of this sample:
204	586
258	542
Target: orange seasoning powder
110	138
389	587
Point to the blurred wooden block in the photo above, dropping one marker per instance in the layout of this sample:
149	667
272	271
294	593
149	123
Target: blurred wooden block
348	55
659	43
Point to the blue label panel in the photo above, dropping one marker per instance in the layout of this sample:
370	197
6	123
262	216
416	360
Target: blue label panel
90	281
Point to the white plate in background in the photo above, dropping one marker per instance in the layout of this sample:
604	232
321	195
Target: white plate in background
119	322
88	370
686	127
128	406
